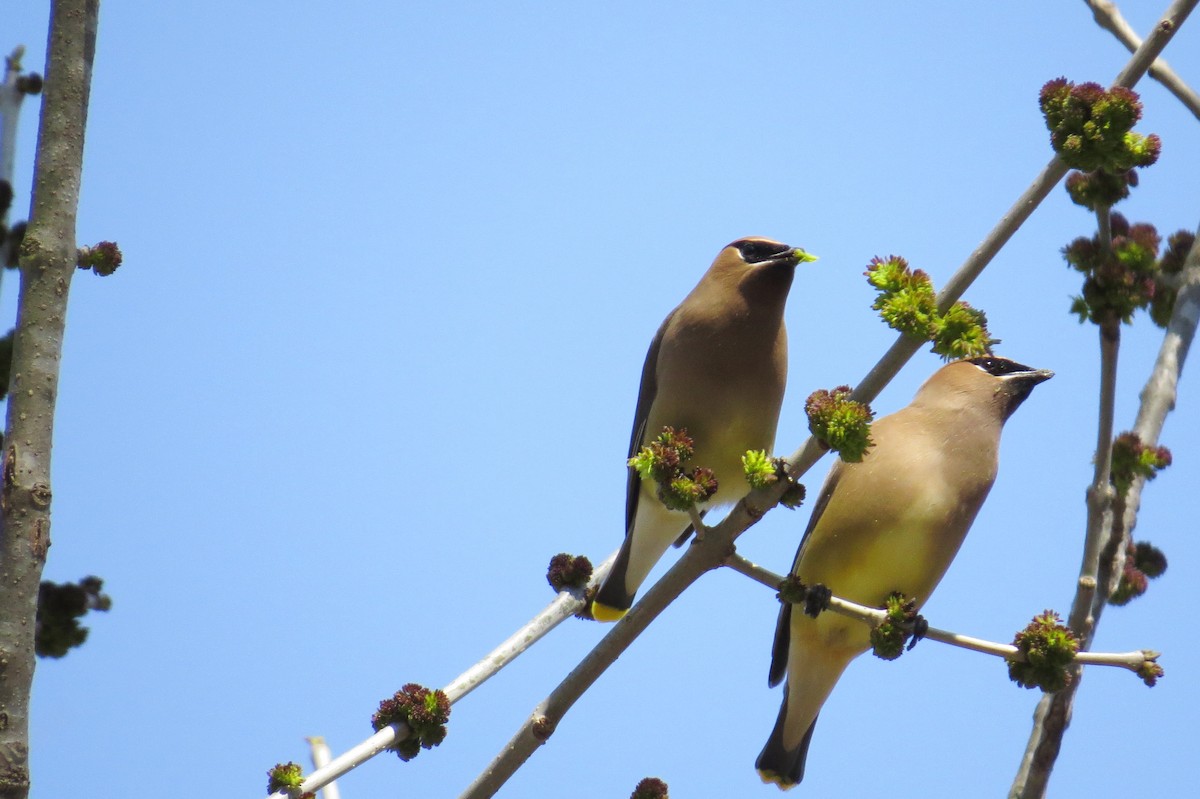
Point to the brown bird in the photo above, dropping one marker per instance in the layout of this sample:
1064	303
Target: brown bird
717	367
893	522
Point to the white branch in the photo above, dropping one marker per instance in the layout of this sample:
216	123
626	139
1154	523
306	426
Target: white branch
10	107
873	616
321	757
564	606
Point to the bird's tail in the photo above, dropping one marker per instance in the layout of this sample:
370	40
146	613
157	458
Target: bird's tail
654	528
779	765
613	600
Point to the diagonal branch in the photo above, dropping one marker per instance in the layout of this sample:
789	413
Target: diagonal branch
563	607
47	264
1109	17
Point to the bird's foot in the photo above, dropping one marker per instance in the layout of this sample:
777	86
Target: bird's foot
816	599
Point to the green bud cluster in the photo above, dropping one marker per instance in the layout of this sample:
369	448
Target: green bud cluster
889	636
1131	458
1100	189
843	424
423	711
1091	127
1143	563
663	459
1162	305
103	259
1049	649
908	304
761	469
1150	672
1120	280
566	571
792	591
286	777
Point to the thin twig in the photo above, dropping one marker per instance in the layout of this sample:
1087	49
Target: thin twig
564	606
11	100
1109	17
1100	493
10	105
873	616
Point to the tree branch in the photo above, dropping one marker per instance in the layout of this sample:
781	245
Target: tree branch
47	265
10	105
563	607
704	554
1100	493
1133	661
1109	17
12	96
1053	712
321	756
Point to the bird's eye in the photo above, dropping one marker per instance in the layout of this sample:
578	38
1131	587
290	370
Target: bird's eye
754	252
999	366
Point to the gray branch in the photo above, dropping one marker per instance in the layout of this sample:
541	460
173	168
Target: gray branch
47	265
1109	17
1100	494
1053	713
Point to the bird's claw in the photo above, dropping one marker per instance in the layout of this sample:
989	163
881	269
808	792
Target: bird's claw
816	599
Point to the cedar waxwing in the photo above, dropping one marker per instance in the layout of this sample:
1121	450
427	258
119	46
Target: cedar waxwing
717	367
892	522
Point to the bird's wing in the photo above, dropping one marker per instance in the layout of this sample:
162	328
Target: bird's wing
783	625
646	394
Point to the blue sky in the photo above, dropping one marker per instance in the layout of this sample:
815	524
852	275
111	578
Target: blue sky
388	266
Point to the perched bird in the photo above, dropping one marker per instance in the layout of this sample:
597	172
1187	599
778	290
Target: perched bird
717	367
890	523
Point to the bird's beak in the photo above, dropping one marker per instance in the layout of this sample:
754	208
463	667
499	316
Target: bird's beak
1040	376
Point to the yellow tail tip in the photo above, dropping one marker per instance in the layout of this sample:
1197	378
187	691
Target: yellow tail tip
602	612
771	778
